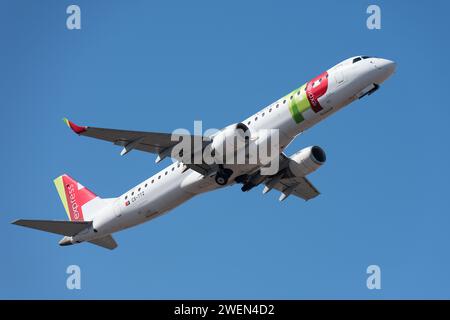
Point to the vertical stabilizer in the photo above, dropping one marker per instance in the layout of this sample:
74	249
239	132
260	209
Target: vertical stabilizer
74	197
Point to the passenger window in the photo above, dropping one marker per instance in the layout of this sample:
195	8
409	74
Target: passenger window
132	193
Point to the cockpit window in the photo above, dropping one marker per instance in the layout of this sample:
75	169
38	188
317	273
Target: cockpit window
366	57
356	59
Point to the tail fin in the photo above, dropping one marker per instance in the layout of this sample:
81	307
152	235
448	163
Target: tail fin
74	197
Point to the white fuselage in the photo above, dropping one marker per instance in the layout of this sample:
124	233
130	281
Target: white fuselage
174	185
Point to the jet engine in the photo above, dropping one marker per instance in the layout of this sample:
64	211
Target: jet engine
229	141
306	161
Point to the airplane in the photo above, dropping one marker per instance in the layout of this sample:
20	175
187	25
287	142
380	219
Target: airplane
93	219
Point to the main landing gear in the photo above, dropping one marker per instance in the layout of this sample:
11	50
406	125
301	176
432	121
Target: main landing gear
222	176
245	180
248	183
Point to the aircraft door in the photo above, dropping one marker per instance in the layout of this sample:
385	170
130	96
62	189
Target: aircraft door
339	76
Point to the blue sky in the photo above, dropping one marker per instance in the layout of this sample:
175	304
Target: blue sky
160	65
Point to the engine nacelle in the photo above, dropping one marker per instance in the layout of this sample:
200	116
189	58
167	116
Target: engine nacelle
306	161
229	141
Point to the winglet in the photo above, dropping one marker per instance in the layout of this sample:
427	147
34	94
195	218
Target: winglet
75	128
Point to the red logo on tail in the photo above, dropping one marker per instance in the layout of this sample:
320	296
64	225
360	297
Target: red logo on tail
76	196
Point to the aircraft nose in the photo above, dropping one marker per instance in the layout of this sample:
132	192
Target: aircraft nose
385	69
387	65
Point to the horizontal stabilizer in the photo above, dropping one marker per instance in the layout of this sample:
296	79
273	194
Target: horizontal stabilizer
65	228
107	242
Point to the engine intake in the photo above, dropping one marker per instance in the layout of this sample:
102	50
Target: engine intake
307	161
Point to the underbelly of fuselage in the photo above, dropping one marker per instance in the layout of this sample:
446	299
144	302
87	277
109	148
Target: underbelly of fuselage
158	200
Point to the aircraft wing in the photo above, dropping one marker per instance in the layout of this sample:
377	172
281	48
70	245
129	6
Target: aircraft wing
300	187
153	142
297	186
288	184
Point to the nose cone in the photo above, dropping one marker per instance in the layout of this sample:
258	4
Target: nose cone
388	65
386	68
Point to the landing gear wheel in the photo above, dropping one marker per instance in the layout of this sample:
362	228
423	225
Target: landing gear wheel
222	176
220	180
